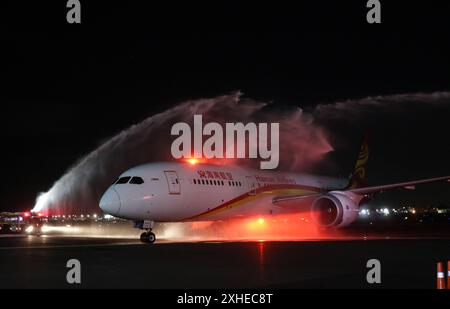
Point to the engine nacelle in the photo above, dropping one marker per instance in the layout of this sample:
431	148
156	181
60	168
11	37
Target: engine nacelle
336	209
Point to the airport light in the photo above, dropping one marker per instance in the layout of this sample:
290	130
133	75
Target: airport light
364	212
29	229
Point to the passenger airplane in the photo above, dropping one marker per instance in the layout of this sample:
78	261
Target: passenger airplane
184	192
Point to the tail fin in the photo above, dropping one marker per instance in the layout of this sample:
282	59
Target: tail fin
358	178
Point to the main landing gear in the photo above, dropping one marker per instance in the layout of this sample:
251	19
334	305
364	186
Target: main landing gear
147	236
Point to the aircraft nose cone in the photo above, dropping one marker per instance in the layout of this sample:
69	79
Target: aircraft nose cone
110	202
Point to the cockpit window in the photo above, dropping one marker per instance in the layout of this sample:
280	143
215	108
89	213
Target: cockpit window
137	181
123	180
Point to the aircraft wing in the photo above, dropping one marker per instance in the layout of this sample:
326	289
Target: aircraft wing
406	185
297	198
410	185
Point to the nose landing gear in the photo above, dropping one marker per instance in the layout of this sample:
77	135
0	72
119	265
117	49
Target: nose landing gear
147	236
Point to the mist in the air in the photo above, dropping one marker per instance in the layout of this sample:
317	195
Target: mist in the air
302	143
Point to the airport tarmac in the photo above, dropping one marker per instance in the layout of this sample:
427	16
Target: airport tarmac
40	262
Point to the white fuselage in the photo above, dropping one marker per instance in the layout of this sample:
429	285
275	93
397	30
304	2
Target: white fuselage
173	192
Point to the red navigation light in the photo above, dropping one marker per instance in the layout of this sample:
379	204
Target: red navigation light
40	214
26	214
192	161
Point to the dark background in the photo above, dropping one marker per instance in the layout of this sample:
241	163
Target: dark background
67	88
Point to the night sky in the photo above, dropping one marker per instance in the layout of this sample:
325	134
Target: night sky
67	88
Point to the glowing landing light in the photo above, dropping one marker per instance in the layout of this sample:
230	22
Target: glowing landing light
29	229
256	224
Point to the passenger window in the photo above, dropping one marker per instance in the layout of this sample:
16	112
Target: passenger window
203	181
123	180
195	182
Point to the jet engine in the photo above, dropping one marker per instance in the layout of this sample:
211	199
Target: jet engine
336	209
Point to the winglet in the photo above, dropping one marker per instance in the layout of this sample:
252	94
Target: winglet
358	178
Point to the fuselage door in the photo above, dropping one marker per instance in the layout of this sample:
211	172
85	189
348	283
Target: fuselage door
251	184
173	182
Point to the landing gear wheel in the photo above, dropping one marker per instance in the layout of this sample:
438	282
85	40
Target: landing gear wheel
151	237
143	237
148	237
